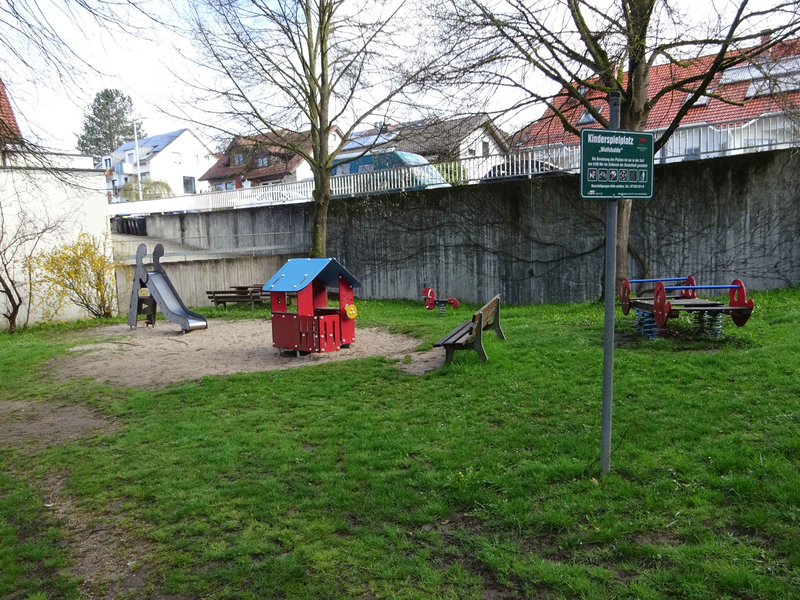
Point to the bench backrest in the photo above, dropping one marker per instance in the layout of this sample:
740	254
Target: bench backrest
484	315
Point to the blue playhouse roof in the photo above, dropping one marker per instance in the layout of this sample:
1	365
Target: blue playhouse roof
156	142
298	273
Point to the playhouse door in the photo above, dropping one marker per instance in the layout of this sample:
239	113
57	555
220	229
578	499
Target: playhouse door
330	335
285	331
308	333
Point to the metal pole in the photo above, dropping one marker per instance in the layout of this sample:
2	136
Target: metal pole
610	307
138	163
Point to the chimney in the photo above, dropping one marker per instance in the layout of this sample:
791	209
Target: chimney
766	37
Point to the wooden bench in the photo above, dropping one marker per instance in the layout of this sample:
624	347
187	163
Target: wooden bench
469	335
239	294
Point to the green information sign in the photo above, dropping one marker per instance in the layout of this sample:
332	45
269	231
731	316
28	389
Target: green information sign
616	164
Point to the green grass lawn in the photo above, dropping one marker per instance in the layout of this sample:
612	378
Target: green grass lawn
355	480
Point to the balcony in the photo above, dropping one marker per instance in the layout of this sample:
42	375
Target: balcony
126	168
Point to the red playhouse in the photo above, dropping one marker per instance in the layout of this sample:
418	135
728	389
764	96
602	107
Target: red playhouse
314	327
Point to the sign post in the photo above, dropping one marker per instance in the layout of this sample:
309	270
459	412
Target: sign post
614	164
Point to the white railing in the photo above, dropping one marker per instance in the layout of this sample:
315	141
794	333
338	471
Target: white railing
706	140
702	140
284	193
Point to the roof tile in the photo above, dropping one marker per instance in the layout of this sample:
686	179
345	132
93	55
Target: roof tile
550	130
8	122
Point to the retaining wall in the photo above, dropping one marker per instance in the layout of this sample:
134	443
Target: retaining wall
532	240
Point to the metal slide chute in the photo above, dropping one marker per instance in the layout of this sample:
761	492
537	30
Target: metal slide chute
162	291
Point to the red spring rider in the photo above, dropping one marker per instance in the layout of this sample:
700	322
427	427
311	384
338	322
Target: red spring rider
431	302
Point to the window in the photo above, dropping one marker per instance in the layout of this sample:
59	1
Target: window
108	163
218	187
471	151
342	170
238	159
485	148
130	157
774	86
188	185
587	117
702	100
262	161
692	153
366	168
229	185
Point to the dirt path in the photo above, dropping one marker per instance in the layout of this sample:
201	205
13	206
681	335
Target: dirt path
111	563
32	426
155	357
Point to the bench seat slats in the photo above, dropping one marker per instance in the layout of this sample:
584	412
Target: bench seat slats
457	332
469	335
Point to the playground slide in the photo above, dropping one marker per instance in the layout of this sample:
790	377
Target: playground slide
162	291
171	304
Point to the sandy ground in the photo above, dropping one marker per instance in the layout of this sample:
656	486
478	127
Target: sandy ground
154	357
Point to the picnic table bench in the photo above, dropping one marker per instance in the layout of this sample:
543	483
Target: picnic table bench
239	294
469	335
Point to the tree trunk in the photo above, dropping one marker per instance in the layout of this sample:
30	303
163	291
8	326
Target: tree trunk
322	198
12	318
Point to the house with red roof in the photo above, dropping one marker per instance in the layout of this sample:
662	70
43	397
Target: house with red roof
9	129
251	161
744	109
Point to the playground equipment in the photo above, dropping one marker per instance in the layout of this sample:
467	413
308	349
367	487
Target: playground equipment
162	293
669	301
314	327
431	302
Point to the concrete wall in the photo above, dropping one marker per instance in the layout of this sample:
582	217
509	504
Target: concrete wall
192	279
537	241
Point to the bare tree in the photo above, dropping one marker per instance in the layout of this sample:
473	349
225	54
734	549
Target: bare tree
288	71
589	48
33	49
25	226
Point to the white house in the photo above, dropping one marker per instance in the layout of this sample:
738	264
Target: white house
436	139
475	141
178	158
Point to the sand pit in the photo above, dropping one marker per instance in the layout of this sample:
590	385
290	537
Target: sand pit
155	357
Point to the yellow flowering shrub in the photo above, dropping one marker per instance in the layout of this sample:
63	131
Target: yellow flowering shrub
82	272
